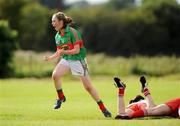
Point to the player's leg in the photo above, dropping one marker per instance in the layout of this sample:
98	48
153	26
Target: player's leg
60	69
149	99
94	94
159	110
122	112
79	68
121	88
146	92
89	87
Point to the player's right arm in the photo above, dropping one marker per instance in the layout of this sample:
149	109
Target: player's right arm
55	55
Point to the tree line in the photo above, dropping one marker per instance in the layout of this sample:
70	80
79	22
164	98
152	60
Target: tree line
115	28
146	30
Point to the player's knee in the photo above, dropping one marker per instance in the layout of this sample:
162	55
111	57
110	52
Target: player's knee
55	76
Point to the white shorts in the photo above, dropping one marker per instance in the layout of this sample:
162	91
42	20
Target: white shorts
77	67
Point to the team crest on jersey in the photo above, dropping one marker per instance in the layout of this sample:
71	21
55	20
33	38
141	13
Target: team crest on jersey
57	42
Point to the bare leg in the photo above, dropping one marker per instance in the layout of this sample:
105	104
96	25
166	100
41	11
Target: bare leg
150	101
94	94
121	105
146	92
160	110
58	72
89	87
123	113
121	88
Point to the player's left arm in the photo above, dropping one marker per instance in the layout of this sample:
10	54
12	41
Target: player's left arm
73	51
76	39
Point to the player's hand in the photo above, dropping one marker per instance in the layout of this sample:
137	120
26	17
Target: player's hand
46	58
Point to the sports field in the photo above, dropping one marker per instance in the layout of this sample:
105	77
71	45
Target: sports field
29	102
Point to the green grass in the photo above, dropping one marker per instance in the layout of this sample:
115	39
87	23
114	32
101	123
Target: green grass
29	101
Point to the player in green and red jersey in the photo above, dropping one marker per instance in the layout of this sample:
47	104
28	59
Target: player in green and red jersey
73	53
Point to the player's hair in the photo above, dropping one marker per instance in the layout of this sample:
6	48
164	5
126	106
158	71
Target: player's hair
67	20
136	99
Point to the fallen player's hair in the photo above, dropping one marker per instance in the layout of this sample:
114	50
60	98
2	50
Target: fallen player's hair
136	99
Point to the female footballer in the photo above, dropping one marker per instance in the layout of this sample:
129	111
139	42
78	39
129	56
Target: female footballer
140	107
71	49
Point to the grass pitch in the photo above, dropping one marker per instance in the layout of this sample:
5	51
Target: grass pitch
29	102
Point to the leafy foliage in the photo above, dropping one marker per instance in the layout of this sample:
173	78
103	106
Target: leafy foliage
7	46
33	26
148	30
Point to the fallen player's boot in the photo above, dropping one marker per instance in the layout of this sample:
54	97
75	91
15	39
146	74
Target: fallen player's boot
118	83
143	83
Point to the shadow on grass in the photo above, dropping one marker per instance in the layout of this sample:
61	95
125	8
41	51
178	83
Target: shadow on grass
154	118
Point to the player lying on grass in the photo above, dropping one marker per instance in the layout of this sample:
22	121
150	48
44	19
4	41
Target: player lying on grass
140	107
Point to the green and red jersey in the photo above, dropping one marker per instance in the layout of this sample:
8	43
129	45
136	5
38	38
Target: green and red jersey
68	41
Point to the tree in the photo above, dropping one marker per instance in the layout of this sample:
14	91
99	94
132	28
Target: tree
10	10
145	30
121	4
58	4
168	16
8	44
33	25
156	3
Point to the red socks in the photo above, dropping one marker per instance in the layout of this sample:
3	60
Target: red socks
146	91
121	91
101	105
60	94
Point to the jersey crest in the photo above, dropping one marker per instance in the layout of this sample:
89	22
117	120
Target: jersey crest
57	42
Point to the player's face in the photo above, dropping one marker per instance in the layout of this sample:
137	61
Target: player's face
57	24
